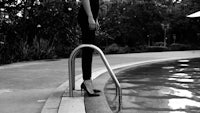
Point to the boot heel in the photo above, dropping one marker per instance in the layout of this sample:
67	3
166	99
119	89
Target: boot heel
83	87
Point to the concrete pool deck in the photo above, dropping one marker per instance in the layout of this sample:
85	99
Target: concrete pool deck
60	102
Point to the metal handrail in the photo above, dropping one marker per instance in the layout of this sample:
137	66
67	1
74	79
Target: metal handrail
71	65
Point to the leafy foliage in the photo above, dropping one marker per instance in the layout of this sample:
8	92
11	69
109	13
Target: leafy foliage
42	31
134	23
31	29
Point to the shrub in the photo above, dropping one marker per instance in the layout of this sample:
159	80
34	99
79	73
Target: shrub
114	48
138	49
179	47
156	48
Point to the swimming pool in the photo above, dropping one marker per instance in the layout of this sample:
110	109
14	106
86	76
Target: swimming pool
166	87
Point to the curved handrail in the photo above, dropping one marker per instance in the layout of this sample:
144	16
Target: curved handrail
71	66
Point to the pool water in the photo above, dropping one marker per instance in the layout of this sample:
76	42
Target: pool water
166	87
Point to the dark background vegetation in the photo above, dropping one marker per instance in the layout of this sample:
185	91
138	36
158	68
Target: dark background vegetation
48	29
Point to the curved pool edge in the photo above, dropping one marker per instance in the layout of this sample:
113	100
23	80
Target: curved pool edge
94	104
126	79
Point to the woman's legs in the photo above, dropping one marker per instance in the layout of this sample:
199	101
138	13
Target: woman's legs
88	37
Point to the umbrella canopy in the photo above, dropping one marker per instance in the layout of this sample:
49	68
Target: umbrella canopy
194	15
